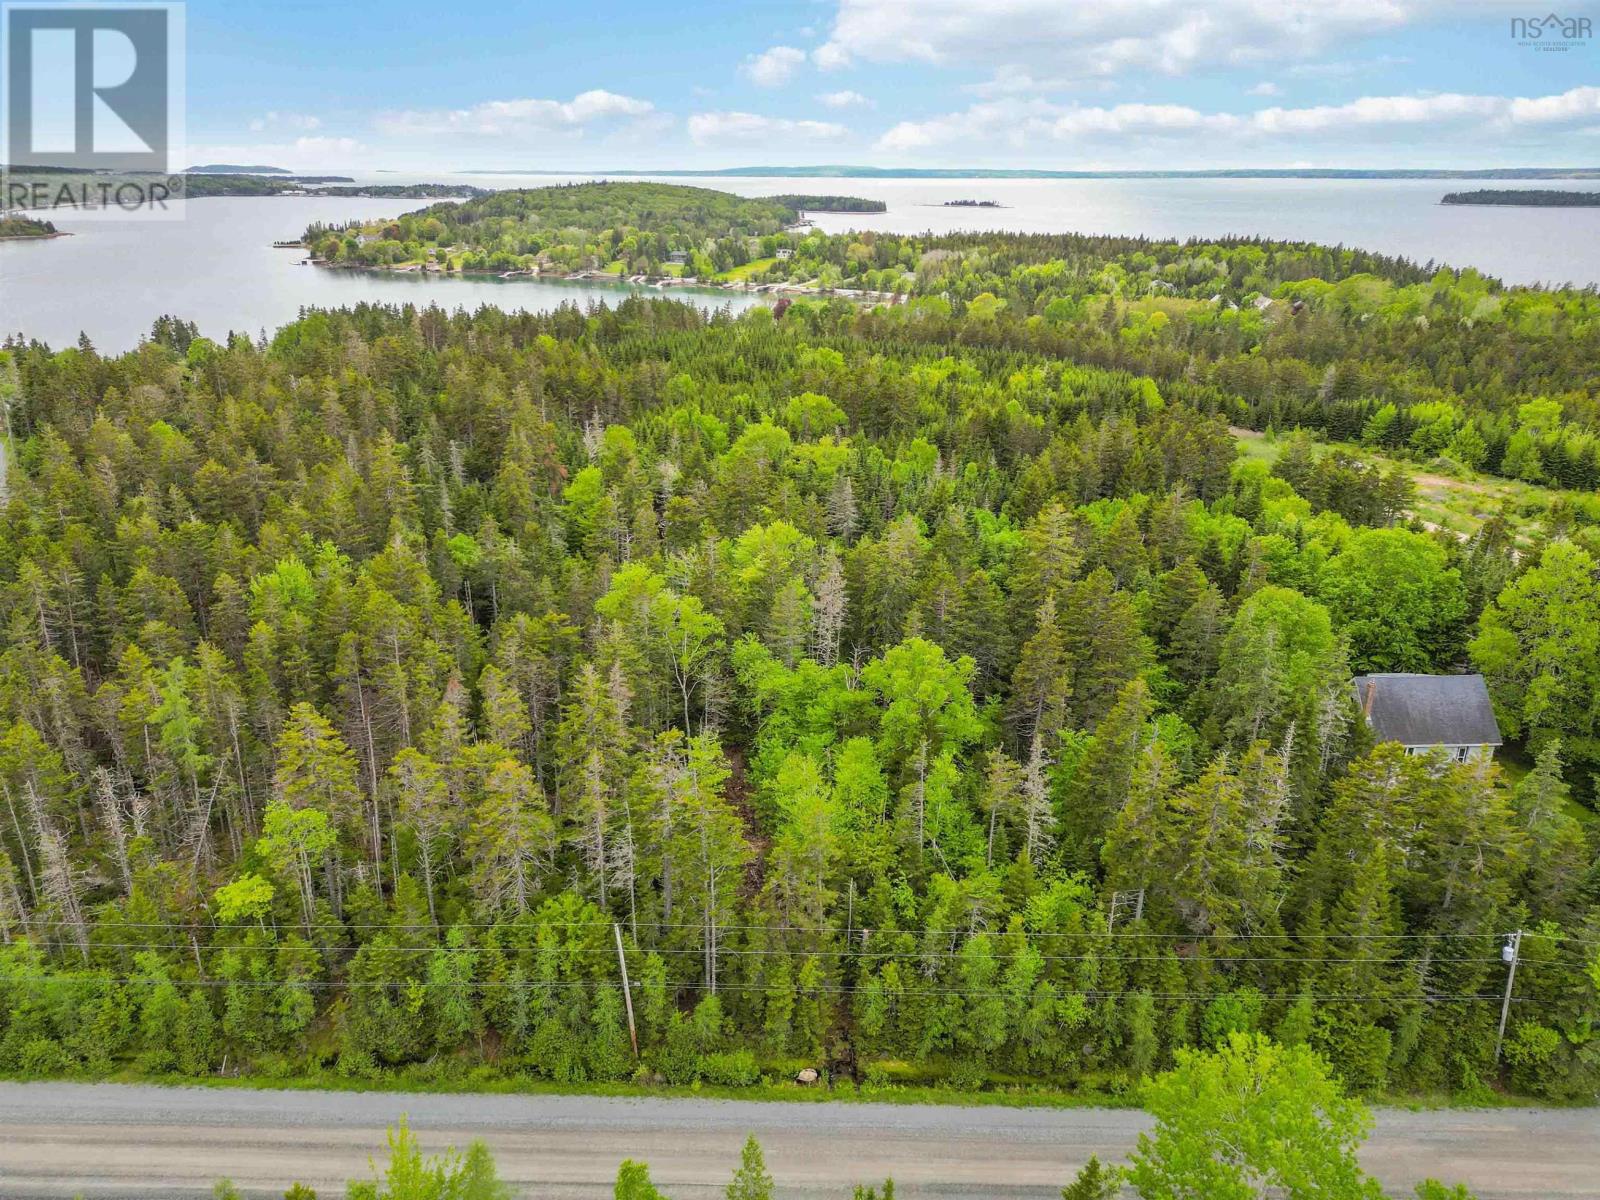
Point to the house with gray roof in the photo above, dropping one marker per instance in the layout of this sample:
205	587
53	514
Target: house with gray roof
1431	712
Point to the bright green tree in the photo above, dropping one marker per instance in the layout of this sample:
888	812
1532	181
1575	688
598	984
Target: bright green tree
752	1181
1251	1119
1395	599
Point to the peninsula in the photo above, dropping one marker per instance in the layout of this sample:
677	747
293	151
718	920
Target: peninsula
16	228
657	234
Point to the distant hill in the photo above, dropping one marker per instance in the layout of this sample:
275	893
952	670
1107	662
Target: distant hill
232	169
835	171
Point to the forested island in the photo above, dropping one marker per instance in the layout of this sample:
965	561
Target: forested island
13	225
972	204
924	694
834	204
1526	198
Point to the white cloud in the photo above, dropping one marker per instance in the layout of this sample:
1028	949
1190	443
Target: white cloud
1266	88
1019	81
1091	38
285	120
1577	104
312	152
1378	110
323	147
1344	68
774	67
831	56
844	99
500	117
1017	123
739	127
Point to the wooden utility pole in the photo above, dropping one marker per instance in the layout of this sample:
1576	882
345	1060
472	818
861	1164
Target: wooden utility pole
627	992
1509	952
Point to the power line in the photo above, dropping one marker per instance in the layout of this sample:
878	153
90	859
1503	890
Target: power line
687	985
858	954
1090	935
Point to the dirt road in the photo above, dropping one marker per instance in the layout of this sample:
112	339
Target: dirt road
104	1140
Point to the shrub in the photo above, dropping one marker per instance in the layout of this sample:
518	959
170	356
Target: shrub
730	1069
43	1056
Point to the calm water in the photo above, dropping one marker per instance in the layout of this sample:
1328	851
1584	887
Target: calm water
217	267
1395	216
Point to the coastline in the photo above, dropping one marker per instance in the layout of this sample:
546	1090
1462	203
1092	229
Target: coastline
1511	204
663	283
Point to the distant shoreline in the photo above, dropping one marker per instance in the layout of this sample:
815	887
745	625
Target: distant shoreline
662	283
847	172
1508	204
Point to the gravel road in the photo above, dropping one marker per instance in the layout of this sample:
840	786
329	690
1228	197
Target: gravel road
139	1143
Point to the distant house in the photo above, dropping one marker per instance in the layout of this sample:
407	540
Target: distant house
783	255
680	257
1431	712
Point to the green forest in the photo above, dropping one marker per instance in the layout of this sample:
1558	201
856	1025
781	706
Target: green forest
1527	197
574	227
855	204
920	695
1438	365
16	226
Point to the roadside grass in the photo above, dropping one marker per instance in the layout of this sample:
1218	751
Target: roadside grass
486	1080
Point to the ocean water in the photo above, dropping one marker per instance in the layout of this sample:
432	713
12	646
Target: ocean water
217	265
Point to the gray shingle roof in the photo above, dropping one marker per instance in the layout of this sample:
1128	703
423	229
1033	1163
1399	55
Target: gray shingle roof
1428	710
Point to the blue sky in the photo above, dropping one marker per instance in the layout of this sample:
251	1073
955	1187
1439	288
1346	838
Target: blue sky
1058	84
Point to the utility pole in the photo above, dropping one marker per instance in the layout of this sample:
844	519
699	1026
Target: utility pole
1508	954
627	992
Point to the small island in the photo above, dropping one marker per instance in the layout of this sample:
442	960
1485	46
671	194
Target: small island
1525	198
972	204
831	204
16	228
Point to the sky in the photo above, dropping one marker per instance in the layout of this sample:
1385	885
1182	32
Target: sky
410	85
